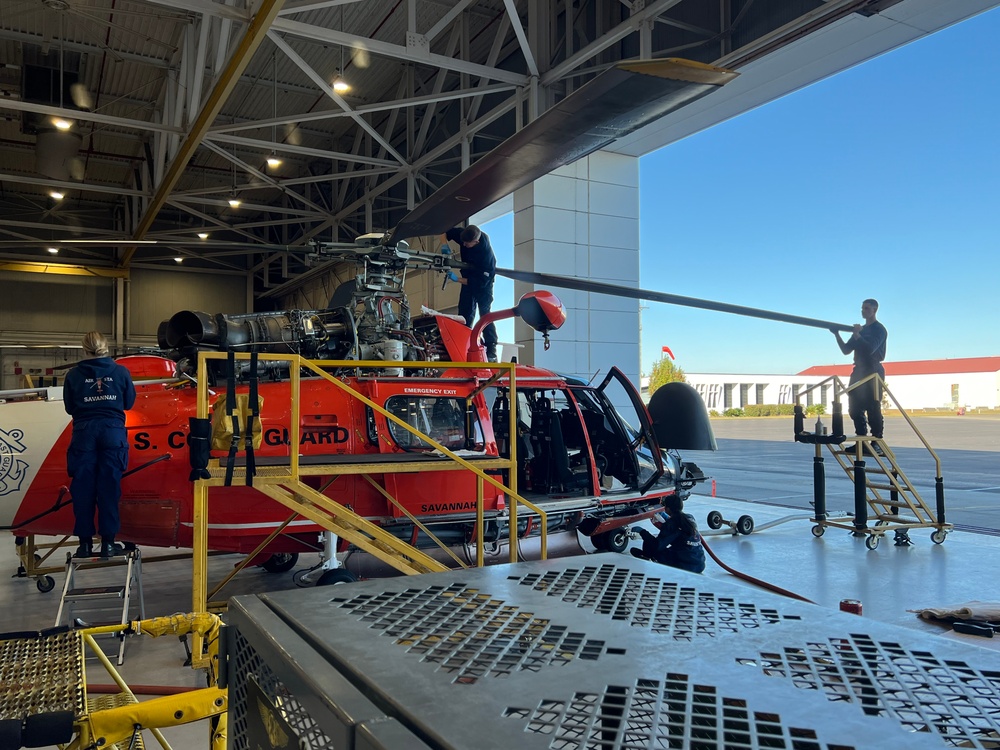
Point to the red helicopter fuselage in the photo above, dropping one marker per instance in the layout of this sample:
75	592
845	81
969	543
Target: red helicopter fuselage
578	458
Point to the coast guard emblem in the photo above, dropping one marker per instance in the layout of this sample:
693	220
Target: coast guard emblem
12	468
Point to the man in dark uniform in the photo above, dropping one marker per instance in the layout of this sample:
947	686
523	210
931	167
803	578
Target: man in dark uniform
868	344
477	280
96	393
678	544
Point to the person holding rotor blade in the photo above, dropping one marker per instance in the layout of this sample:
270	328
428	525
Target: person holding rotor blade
476	280
867	342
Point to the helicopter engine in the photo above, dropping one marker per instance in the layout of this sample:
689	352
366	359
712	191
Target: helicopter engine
368	318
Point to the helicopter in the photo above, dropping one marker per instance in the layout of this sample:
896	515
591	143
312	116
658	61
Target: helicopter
595	470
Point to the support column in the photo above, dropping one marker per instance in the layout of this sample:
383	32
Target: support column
583	220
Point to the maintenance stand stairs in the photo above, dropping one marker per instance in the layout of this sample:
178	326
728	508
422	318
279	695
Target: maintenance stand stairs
882	491
95	602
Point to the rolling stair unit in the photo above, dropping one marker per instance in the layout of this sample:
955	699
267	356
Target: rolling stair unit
97	603
882	491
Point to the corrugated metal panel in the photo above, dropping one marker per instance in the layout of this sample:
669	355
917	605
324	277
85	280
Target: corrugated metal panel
156	295
44	305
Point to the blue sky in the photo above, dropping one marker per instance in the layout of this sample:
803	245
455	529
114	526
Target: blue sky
882	181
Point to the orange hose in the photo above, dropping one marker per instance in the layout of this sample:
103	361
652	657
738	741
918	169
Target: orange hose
751	579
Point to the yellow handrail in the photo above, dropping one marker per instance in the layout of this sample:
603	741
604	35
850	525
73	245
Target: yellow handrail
297	363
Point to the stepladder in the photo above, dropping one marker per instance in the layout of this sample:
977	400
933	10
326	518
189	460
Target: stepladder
102	591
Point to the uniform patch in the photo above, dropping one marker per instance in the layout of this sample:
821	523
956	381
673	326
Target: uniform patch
12	468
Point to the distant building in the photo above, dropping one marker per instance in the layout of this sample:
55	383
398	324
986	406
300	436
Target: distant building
924	384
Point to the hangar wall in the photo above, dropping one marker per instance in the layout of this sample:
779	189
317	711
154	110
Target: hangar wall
153	296
44	316
48	308
583	220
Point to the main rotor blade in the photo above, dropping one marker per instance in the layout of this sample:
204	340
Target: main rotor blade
600	287
617	102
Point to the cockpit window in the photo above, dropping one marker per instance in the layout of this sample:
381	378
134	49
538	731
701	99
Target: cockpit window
442	419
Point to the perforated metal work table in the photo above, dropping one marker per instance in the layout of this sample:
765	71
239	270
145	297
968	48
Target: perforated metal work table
602	652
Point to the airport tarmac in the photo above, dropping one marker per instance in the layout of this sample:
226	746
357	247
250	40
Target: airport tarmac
758	461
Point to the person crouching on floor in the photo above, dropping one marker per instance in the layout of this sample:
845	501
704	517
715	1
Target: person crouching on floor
678	544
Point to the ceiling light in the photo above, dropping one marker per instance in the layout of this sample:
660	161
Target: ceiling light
234	202
179	260
202	235
340	85
273	161
53	250
62	123
56	195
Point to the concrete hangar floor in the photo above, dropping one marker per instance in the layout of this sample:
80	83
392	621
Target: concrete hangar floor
888	581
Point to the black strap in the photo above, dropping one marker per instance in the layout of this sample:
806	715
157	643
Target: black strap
232	413
252	420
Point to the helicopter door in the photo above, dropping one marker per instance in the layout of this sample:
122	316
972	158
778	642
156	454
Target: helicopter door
619	392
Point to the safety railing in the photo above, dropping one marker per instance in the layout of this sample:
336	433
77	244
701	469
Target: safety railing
902	492
298	365
840	389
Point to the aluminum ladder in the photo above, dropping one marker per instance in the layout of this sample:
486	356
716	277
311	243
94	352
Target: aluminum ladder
97	602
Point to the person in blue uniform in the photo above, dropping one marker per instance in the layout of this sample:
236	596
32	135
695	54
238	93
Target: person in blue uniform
868	344
97	393
678	544
477	280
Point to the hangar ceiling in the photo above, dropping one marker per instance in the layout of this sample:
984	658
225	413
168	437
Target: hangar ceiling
129	126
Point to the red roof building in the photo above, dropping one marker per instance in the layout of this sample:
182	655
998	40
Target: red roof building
918	367
968	382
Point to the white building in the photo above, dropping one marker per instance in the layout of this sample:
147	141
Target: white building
924	384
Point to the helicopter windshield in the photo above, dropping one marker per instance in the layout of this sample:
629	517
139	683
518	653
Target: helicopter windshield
442	419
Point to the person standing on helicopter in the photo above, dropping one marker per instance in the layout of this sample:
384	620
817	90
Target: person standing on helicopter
477	280
97	393
678	544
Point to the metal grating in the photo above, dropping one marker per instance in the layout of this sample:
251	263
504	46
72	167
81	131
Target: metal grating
624	680
470	634
949	698
42	673
682	612
673	713
247	662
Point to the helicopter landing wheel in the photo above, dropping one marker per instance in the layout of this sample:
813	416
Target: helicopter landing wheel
280	562
615	540
335	577
45	584
744	525
715	520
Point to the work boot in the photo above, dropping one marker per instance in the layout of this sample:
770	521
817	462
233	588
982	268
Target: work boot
85	549
491	356
110	549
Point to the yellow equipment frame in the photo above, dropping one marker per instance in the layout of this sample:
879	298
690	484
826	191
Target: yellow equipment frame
284	484
98	726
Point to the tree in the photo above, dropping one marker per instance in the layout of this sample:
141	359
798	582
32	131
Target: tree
664	371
